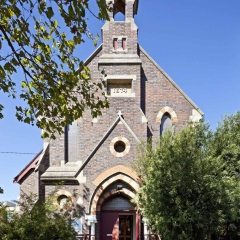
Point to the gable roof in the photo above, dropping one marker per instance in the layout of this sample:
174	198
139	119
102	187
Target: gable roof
90	58
27	168
119	119
34	164
171	80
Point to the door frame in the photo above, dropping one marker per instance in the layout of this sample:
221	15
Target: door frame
134	221
123	212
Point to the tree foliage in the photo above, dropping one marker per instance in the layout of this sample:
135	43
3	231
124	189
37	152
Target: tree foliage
39	221
1	190
56	86
190	182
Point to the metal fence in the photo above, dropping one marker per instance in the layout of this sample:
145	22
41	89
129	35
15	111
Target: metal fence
152	237
85	237
92	237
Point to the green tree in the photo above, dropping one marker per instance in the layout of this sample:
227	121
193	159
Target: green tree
1	190
57	87
187	190
39	221
225	147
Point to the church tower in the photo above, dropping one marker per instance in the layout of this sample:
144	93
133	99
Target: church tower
120	58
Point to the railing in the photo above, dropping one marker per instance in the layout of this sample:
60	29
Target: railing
85	237
152	237
92	237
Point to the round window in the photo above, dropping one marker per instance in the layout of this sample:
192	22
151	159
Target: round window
119	146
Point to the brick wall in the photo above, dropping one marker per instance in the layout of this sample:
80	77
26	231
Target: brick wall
158	92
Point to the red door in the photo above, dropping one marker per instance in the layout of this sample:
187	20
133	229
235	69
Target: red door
109	225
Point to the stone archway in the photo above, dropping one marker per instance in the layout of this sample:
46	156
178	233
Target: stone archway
99	196
106	189
169	111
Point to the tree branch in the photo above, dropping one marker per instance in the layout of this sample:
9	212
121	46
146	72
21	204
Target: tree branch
14	52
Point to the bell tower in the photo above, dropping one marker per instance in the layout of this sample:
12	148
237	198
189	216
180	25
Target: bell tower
120	37
119	56
126	7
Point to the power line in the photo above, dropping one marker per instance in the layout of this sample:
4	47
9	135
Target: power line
18	153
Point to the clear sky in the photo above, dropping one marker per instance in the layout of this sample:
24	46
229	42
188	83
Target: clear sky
196	42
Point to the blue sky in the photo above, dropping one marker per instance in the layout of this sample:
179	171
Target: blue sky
196	42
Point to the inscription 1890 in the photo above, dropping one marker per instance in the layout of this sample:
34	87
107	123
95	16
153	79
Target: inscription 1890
119	90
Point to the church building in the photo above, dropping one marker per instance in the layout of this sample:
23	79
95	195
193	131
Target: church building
94	158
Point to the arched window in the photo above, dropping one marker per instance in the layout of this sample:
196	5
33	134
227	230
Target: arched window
166	124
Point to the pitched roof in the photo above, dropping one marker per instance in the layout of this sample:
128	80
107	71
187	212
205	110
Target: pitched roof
119	118
30	166
170	80
90	58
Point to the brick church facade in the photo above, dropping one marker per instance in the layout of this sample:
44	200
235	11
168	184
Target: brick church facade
94	157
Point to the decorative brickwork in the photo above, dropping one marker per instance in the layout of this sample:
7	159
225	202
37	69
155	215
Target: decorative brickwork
113	148
109	194
116	169
166	110
63	192
95	204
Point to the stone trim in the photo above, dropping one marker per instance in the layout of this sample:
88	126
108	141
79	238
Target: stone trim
60	193
123	191
125	152
98	198
63	192
166	110
195	117
116	169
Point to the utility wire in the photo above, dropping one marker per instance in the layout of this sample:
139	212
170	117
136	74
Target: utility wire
18	153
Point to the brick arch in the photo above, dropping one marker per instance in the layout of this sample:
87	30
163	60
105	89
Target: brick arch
169	111
104	197
116	169
63	192
98	197
60	193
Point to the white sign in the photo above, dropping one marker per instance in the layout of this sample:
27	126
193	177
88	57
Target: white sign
119	90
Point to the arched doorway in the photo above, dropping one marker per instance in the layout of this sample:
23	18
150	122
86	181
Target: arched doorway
112	207
118	219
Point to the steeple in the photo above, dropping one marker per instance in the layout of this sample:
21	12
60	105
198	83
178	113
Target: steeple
120	37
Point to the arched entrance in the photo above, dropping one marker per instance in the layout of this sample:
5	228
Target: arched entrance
118	219
116	215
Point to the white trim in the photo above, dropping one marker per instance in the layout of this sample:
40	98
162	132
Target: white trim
122	77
